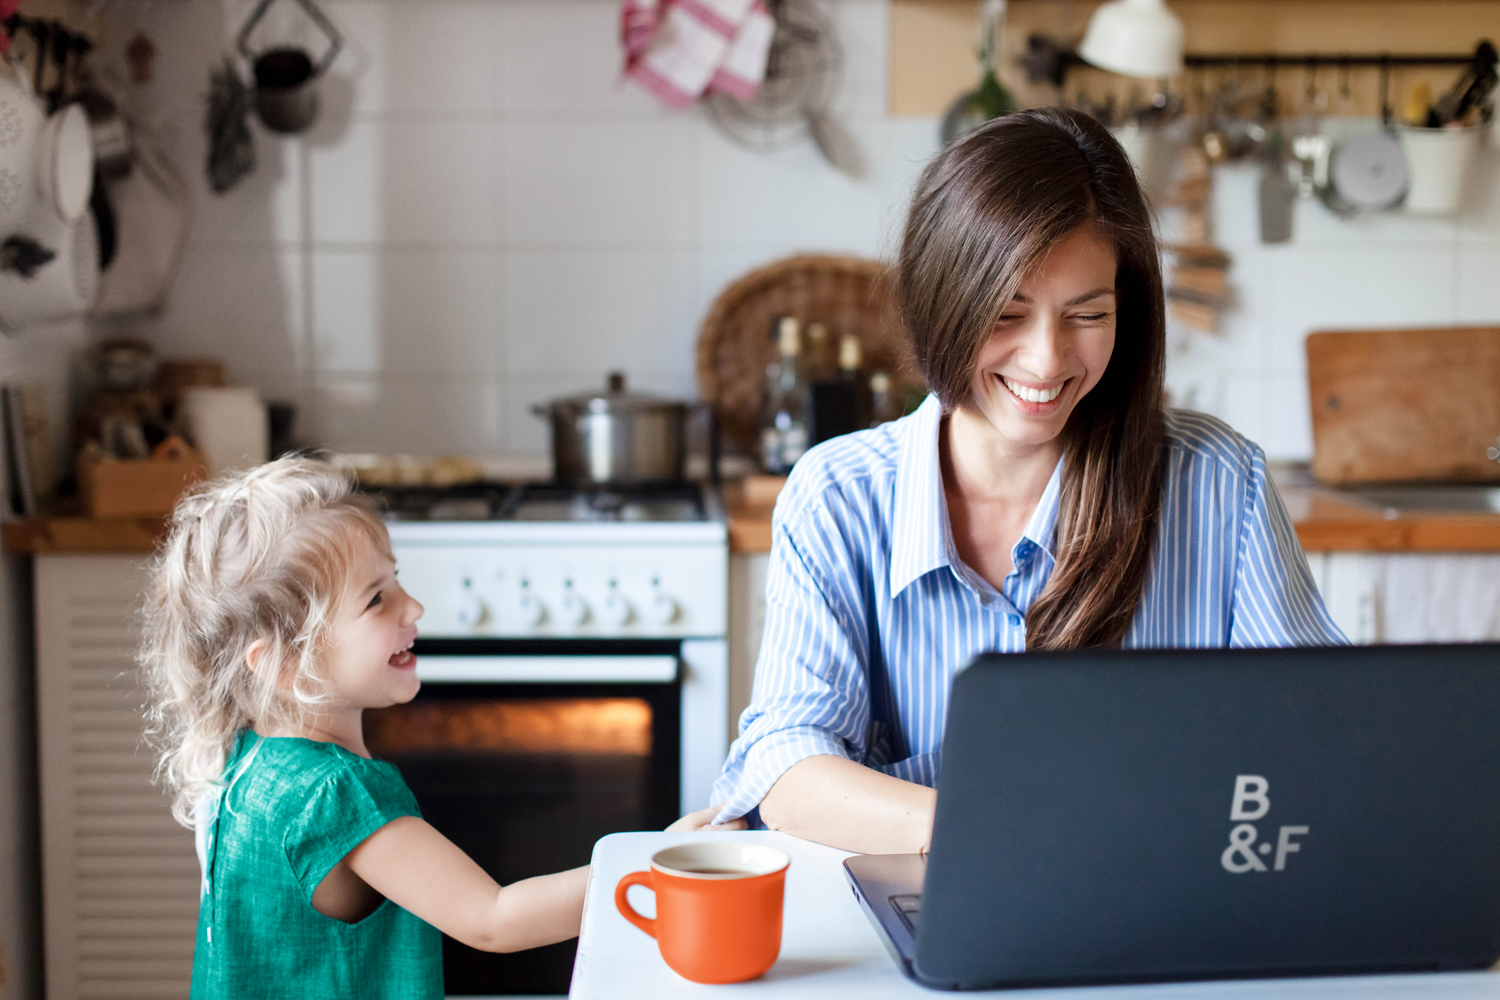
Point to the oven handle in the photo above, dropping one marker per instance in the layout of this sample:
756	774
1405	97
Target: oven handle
547	669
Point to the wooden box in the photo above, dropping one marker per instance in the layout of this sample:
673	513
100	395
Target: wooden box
145	488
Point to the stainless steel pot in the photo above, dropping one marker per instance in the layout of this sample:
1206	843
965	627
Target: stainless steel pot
616	437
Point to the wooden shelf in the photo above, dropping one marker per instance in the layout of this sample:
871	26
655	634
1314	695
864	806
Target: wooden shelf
932	57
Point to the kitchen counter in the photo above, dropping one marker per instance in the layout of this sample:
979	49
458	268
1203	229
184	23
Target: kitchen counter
1327	520
76	533
829	949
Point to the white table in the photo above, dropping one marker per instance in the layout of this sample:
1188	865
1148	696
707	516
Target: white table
829	949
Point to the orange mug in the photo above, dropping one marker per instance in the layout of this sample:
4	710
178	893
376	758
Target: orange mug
718	908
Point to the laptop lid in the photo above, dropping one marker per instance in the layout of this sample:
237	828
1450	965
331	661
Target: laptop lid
1189	814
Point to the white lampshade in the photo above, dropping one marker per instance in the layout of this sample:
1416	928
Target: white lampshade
1136	38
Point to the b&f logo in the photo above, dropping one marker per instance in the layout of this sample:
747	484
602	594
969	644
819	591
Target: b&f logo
1252	801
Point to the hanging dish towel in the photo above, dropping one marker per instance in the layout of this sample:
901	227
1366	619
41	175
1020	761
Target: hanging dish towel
681	49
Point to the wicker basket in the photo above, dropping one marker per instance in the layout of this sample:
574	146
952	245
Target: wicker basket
737	340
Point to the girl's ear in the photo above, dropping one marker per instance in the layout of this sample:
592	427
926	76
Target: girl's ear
259	658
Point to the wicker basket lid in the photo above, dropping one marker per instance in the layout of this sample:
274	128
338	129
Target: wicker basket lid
848	295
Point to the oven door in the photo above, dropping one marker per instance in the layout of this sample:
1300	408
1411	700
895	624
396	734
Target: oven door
524	754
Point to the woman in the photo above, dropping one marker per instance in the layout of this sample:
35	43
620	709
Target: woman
1039	499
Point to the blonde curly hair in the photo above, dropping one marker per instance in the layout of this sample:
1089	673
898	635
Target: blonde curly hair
263	554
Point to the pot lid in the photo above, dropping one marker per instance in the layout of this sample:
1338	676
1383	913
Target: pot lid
615	398
1369	172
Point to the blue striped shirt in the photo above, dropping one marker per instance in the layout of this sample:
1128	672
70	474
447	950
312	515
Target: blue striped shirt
870	612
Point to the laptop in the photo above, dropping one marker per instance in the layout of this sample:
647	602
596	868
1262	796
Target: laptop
1196	814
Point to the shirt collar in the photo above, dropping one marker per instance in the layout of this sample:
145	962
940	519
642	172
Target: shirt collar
921	539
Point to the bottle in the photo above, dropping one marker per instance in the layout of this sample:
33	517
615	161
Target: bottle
818	356
882	401
851	358
784	427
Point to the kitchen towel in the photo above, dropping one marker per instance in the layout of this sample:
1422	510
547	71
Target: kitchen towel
681	49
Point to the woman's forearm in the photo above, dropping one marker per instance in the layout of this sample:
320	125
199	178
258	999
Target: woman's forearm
832	800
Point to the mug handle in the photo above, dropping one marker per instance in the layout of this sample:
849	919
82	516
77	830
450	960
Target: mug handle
623	903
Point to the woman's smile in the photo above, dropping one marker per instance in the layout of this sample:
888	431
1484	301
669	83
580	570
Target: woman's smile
1035	399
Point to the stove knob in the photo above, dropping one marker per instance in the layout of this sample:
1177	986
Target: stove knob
572	611
468	610
662	607
615	611
529	609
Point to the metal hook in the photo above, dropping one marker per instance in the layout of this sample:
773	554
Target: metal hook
335	40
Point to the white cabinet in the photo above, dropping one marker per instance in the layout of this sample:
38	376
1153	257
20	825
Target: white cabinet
747	620
119	876
1401	597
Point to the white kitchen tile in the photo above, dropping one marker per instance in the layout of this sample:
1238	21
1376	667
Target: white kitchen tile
346	314
718	269
1328	288
862	31
562	58
436	56
407	313
1235	219
240	304
791	197
411	415
1287	436
1243	404
1479	284
263	209
908	144
599	183
628	310
1479	207
407	180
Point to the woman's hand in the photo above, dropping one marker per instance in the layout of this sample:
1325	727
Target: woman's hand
703	820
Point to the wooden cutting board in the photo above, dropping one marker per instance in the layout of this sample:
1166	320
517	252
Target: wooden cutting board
1405	404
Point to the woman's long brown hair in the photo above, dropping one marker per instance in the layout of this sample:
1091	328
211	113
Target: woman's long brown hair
985	213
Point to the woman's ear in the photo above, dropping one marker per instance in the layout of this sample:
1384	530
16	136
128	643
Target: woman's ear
259	658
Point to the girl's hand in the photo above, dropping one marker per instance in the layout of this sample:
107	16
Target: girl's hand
703	820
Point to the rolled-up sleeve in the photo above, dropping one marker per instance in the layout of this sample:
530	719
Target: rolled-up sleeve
1276	602
811	694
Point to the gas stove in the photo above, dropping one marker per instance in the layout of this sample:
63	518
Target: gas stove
538	560
552	503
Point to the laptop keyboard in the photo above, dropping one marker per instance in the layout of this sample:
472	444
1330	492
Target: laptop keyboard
910	908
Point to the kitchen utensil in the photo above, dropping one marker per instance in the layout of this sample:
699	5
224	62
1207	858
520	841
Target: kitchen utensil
1473	87
803	70
1367	173
286	79
65	285
150	206
231	150
229	426
65	168
1404	404
718	908
1277	194
616	437
990	99
1437	160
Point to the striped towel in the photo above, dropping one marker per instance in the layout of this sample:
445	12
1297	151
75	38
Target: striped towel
681	49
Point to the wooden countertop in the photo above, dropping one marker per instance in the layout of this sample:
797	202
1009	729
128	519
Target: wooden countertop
1325	521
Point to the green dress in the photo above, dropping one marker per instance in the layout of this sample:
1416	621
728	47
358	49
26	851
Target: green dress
290	810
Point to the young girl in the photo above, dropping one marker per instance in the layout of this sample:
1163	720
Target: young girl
273	620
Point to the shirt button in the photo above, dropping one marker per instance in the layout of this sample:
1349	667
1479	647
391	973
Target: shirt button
1015	619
